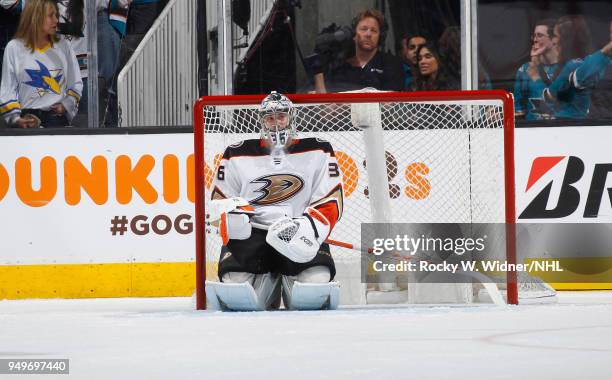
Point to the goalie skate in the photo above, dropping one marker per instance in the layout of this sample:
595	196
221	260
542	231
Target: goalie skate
242	296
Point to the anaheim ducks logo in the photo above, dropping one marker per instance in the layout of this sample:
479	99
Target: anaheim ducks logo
277	188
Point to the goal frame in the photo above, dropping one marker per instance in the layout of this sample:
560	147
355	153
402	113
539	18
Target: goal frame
358	97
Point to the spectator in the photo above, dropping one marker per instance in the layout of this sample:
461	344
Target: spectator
432	74
602	95
367	66
41	82
528	101
408	48
139	16
588	74
572	39
449	45
9	11
72	26
110	31
8	24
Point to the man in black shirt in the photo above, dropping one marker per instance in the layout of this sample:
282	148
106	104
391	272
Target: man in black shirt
367	67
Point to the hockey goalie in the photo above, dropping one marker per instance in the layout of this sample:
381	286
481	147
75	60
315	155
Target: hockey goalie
274	202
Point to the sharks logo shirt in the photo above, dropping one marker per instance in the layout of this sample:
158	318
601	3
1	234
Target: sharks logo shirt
39	79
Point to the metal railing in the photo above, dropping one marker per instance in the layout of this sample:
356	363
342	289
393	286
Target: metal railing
158	85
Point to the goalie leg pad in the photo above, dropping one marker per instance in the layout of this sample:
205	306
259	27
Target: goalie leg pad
311	296
316	274
300	295
238	277
232	296
258	293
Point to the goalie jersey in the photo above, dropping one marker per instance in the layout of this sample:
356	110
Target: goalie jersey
306	174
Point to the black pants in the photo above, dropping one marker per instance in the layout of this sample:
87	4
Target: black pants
48	119
255	255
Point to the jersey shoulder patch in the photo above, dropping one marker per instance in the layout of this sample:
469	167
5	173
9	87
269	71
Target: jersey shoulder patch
251	147
311	143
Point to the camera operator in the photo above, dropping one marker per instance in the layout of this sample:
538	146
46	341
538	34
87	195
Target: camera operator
366	66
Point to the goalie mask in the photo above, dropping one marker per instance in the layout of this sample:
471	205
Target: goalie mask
275	116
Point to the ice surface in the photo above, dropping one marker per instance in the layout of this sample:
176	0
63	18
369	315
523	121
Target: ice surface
163	338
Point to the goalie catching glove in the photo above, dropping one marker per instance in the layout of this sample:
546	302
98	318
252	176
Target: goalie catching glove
299	239
231	218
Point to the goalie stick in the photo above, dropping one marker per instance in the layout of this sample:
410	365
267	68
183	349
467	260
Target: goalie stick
486	282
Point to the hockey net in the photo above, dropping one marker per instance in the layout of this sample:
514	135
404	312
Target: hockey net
443	157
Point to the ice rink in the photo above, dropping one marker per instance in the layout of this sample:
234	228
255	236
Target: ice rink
163	338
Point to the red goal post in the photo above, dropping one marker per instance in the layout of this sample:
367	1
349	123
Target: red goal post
424	114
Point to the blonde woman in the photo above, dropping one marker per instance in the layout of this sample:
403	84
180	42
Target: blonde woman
41	80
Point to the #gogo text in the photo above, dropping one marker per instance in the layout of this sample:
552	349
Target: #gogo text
159	224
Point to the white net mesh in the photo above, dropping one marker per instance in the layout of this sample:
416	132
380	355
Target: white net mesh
444	159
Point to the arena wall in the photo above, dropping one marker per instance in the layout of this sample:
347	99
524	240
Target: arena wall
112	215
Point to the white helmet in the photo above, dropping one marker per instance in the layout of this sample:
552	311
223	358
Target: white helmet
276	109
